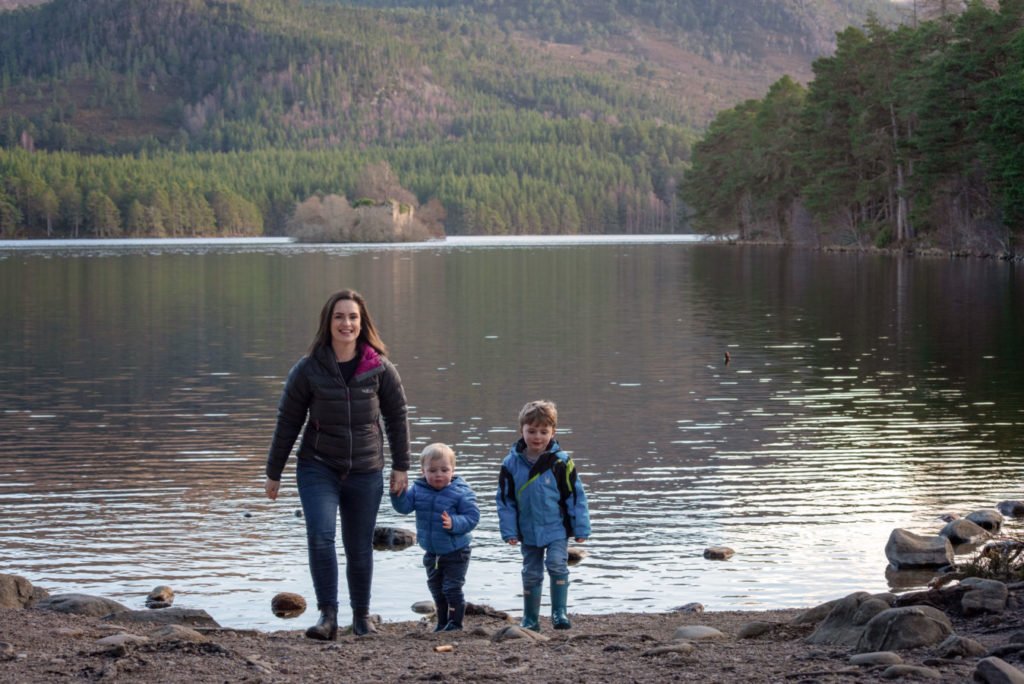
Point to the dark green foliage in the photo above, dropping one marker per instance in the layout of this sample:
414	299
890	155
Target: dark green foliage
166	91
746	177
907	136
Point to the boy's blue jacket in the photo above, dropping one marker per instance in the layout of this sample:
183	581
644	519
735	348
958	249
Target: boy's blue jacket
542	503
457	498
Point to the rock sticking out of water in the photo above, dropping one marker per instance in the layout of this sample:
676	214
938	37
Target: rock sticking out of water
161	597
288	605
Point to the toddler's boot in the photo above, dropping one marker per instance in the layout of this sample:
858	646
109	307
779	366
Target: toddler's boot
326	628
441	610
361	625
456	611
531	607
559	599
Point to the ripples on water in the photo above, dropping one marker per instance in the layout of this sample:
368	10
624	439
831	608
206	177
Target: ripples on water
138	394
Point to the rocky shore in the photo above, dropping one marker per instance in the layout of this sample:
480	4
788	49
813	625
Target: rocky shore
962	628
941	635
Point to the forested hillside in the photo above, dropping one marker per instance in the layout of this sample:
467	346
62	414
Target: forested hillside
910	136
719	29
511	135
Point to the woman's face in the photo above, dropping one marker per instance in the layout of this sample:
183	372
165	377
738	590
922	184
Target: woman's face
345	322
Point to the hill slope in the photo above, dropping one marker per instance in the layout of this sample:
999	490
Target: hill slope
511	131
330	72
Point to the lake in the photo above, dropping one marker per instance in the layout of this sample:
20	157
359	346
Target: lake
139	385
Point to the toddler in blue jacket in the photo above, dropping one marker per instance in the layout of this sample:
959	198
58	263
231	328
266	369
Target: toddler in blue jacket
542	503
446	512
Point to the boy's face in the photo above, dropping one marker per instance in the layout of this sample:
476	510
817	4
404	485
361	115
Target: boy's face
438	472
537	437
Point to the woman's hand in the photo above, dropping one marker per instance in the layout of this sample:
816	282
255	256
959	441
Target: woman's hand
399	481
272	487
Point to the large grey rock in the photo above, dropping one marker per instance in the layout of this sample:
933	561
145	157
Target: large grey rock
122	639
956	646
752	630
906	549
392	538
424	607
997	671
963	531
988	518
517	632
576	555
911	671
983	596
177	633
903	628
189	617
813	616
679	647
288	604
693	608
1011	508
879	658
18	592
82	604
846	622
162	596
697	633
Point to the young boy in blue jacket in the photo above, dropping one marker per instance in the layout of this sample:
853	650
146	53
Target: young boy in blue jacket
446	512
542	503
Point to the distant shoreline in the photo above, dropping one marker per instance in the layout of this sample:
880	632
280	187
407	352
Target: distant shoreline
31	243
451	241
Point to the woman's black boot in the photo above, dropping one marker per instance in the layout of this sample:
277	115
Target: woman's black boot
326	628
361	625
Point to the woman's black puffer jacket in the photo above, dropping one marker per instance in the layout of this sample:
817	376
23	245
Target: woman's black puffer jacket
343	421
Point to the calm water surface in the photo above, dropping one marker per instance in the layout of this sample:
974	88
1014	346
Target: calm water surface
138	389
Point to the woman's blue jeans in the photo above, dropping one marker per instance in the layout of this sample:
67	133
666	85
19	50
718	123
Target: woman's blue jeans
324	493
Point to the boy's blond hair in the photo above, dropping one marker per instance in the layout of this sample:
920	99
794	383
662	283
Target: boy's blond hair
539	412
436	451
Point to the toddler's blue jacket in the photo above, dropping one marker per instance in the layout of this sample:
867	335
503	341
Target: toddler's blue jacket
457	498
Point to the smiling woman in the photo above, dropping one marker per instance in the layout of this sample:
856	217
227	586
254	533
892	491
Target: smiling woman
340	391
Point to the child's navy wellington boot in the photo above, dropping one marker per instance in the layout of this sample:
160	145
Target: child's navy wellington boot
531	607
559	599
456	611
441	610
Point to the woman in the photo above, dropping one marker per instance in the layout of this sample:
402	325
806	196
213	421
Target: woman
339	391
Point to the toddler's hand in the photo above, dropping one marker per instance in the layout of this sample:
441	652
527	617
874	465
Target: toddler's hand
513	541
446	520
581	540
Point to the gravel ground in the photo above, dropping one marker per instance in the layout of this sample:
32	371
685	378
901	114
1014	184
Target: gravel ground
42	646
